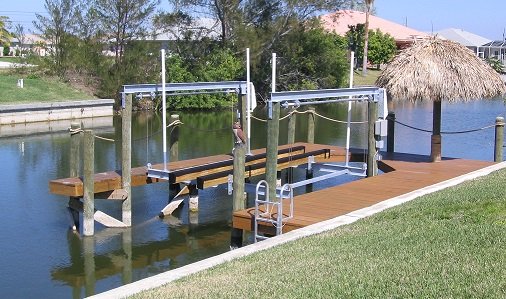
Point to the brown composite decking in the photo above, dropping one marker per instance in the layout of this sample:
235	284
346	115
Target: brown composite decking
111	180
406	173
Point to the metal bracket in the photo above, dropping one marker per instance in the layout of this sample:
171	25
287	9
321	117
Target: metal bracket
230	185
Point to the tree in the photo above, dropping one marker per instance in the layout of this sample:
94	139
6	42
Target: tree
382	47
123	21
19	33
368	4
5	36
311	58
57	28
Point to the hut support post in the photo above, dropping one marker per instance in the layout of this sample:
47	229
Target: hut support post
391	132
372	168
88	184
271	163
126	160
435	148
75	162
238	191
310	125
499	139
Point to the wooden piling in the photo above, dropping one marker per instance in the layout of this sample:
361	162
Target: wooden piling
88	184
238	198
174	138
89	266
243	119
194	198
272	150
291	126
126	160
371	144
435	144
126	242
391	132
310	125
75	165
499	139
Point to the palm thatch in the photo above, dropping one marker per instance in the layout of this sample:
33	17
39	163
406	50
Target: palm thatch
437	70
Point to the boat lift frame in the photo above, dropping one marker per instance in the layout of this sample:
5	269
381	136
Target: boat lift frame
192	88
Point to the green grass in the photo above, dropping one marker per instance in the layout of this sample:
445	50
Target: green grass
36	90
449	244
11	59
370	79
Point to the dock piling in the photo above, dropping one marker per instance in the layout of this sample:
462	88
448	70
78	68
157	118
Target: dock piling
174	138
391	132
238	198
372	166
75	164
126	160
88	184
499	139
194	198
310	125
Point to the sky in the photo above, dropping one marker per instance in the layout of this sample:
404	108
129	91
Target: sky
485	18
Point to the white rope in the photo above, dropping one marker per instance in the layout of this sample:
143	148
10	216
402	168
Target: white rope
77	131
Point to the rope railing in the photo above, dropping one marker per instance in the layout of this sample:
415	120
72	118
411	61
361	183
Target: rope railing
315	113
443	132
77	131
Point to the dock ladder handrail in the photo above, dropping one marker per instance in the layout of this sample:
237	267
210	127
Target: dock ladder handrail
272	208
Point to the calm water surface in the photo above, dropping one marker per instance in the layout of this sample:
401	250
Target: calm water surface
40	257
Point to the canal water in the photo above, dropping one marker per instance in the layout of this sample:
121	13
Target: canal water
40	257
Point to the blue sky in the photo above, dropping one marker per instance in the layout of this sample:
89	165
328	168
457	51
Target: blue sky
485	18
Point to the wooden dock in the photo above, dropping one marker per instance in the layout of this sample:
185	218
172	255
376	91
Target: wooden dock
403	173
206	171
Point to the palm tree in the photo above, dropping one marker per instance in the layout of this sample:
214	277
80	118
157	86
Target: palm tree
5	36
368	5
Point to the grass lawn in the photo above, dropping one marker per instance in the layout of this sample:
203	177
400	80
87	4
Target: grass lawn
36	90
449	244
11	59
370	79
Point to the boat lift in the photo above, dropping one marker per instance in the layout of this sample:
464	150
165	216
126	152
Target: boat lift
296	99
178	89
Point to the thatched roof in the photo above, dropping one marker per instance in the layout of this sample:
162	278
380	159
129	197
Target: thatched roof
438	70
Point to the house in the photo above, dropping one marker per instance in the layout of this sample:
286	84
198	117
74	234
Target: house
30	42
472	41
495	49
340	21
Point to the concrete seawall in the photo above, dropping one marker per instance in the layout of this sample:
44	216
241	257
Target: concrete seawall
44	112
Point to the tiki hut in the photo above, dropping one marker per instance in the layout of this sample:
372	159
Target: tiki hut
439	70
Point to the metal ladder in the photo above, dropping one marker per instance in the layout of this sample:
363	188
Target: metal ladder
272	208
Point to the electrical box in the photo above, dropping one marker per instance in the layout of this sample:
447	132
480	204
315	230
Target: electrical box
381	128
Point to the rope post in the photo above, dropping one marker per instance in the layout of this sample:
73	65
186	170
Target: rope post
174	138
391	132
238	198
499	139
126	160
435	144
88	184
291	126
271	163
310	125
372	168
75	165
